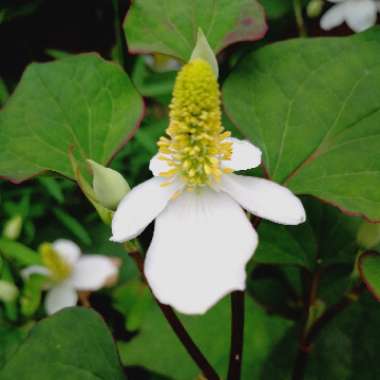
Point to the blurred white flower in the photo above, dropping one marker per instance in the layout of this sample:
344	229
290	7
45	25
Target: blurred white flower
358	14
202	238
161	63
69	272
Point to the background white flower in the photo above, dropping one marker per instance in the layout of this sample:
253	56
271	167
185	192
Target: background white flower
358	14
68	272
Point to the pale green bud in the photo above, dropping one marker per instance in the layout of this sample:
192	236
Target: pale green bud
314	8
12	227
8	291
368	235
109	186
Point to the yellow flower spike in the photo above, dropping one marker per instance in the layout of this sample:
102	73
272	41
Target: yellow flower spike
60	269
196	141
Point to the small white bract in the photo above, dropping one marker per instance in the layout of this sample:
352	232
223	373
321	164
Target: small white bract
358	14
69	272
202	239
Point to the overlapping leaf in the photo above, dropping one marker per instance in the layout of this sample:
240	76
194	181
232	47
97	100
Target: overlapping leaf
313	106
81	103
327	237
171	26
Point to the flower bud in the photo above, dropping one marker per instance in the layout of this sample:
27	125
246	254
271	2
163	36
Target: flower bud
8	291
314	8
12	227
368	235
202	50
109	185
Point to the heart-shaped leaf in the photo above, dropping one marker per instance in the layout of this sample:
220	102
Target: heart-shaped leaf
73	344
313	108
83	103
171	26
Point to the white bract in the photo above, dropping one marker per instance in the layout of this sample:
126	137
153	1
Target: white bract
202	238
358	14
69	272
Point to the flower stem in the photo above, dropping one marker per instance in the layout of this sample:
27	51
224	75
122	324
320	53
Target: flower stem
297	4
237	335
178	328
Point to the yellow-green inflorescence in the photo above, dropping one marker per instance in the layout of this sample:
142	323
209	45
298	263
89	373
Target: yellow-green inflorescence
196	143
58	267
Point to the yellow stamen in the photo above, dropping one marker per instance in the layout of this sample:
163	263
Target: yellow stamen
196	140
58	267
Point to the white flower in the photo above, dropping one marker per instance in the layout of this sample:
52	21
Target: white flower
202	238
358	14
69	272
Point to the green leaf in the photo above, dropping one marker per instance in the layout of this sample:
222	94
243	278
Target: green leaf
171	27
369	268
11	337
286	245
73	344
276	9
82	103
327	237
18	252
150	83
158	349
313	108
133	300
346	349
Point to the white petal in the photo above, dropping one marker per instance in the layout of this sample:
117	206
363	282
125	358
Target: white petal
244	155
157	166
333	17
59	297
264	198
68	250
34	269
139	207
361	14
200	247
91	272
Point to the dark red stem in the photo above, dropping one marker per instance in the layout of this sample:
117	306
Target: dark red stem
237	335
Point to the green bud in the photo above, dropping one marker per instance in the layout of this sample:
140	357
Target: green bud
12	227
314	8
202	50
8	291
368	235
109	185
